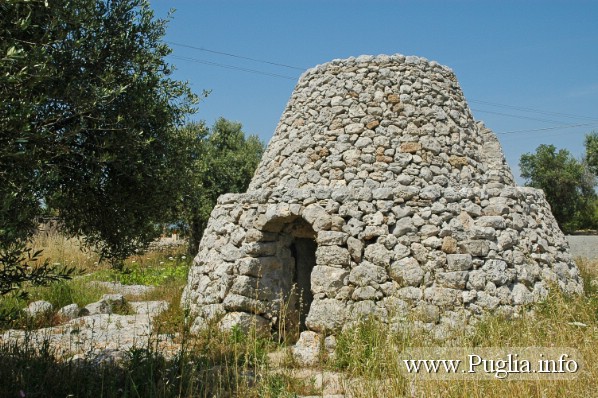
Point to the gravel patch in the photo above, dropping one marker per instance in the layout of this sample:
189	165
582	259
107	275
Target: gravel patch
584	246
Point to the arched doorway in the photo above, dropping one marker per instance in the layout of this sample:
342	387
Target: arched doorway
303	251
298	258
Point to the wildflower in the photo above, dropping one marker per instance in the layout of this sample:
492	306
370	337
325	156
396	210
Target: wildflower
183	257
161	262
133	261
170	258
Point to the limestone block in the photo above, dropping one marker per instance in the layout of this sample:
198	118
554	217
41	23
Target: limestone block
308	349
404	226
496	272
410	293
366	274
236	302
373	231
365	309
378	254
496	222
479	233
469	296
69	312
431	192
407	272
400	251
251	287
410	147
382	193
332	256
478	248
257	249
258	266
355	247
245	322
459	262
428	230
453	279
364	293
326	315
254	235
328	280
329	238
99	307
449	245
442	296
427	313
405	192
317	217
487	301
476	280
211	311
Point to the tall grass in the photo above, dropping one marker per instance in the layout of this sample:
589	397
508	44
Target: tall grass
64	250
370	354
367	358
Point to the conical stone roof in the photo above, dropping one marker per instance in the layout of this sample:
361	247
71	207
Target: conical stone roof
412	209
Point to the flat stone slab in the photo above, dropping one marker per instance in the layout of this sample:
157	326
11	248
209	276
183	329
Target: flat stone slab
105	336
129	290
150	308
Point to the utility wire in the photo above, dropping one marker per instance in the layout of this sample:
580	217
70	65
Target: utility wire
548	128
519	116
236	56
518	108
201	61
525	109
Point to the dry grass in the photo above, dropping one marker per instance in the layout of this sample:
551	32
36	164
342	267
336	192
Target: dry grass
368	357
371	356
60	249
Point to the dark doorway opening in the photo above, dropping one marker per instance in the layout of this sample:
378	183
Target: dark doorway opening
303	251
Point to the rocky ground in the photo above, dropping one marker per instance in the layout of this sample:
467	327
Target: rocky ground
96	331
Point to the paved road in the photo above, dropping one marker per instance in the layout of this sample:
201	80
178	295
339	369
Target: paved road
584	246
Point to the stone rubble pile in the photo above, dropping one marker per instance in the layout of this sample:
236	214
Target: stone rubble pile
95	331
412	210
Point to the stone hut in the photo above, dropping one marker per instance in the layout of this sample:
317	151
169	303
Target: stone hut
378	195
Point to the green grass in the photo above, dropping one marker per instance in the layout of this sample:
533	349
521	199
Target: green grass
165	270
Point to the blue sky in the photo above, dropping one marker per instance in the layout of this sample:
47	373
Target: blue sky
523	65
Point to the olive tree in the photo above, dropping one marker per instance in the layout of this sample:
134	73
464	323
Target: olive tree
568	186
88	117
221	160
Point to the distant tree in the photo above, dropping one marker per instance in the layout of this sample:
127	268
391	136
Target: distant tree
87	115
568	186
221	160
591	156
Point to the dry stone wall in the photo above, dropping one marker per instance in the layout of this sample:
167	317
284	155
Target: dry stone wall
413	210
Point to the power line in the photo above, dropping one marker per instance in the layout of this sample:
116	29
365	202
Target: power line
533	110
518	108
548	128
518	116
201	61
236	56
